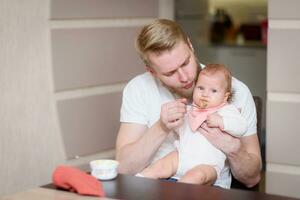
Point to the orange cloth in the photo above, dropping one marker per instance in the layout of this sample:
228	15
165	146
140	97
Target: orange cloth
72	179
197	115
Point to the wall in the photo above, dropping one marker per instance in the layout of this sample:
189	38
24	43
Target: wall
283	106
30	143
60	93
93	57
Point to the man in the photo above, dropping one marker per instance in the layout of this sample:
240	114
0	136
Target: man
154	104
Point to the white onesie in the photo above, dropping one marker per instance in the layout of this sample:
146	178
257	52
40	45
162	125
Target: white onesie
194	149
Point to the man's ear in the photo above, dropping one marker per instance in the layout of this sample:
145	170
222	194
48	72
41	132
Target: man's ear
151	70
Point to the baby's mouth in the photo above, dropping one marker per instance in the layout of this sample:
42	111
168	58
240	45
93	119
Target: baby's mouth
202	104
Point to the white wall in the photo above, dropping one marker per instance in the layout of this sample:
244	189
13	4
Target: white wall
31	134
30	144
283	93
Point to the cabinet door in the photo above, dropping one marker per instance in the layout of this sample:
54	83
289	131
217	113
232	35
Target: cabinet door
191	7
192	15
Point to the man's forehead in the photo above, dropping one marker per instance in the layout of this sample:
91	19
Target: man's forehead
168	60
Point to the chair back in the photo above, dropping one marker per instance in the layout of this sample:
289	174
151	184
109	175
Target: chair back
258	104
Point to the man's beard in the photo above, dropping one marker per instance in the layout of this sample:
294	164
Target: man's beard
186	93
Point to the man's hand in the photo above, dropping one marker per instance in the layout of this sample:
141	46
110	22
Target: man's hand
243	153
215	120
142	142
221	140
172	114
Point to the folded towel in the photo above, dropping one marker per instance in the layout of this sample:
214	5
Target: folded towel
72	179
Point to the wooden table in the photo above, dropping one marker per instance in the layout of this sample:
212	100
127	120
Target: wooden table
47	194
131	187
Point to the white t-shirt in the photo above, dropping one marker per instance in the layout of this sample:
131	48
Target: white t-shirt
144	95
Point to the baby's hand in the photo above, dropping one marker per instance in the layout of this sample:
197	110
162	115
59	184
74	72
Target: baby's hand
215	121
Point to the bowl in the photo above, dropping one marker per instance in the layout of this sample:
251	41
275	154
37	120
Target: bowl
104	169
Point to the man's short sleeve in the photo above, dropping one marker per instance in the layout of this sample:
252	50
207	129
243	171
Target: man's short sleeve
249	112
133	109
243	100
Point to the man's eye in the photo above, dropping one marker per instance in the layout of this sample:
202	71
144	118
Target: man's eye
186	63
214	91
200	88
169	74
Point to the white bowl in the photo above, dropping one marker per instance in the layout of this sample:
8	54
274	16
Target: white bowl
104	169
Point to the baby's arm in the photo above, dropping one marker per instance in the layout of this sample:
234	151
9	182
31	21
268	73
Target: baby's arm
215	120
233	122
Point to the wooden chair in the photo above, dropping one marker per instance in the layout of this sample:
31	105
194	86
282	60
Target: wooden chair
258	103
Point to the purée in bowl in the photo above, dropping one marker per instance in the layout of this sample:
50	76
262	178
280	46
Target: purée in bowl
104	169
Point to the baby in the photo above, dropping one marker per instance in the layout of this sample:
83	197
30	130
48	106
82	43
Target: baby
196	160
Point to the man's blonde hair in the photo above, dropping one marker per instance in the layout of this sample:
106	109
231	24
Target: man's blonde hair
158	36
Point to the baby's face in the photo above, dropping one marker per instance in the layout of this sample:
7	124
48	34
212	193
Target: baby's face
210	90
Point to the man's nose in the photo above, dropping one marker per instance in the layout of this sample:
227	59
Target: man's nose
182	75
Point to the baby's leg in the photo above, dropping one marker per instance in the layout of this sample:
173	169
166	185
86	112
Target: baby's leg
200	174
163	168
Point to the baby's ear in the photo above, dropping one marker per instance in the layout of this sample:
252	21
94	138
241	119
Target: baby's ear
227	94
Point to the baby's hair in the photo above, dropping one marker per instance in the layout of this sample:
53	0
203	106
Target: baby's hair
214	68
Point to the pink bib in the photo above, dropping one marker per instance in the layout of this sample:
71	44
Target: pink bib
197	115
